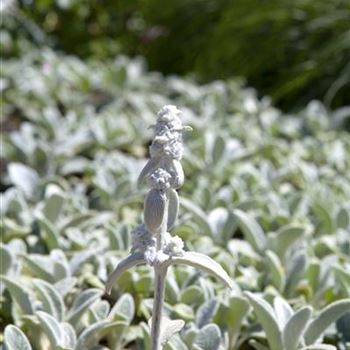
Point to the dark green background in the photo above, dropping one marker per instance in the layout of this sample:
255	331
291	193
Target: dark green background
292	50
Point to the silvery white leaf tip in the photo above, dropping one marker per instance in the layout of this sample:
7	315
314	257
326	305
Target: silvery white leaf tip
132	260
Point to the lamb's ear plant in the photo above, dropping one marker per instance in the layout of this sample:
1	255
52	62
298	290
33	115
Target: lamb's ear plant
289	330
152	243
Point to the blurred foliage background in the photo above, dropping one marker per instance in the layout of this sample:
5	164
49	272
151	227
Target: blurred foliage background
292	50
267	193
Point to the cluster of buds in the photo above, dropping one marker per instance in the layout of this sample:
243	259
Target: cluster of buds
164	174
164	169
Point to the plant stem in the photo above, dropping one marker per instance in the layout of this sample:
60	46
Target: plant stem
160	276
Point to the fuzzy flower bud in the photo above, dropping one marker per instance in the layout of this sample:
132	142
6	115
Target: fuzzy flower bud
169	116
173	245
150	255
166	151
160	179
168	134
142	239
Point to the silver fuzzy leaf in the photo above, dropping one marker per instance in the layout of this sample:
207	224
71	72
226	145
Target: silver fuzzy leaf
127	263
154	209
170	328
173	207
203	263
178	176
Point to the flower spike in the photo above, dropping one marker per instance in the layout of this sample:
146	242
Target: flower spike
152	243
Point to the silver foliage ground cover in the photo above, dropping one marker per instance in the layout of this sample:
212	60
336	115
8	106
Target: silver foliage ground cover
266	195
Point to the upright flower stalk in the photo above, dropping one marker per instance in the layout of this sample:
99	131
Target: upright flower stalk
152	243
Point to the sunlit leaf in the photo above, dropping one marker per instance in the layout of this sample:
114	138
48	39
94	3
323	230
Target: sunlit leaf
267	318
15	339
325	318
